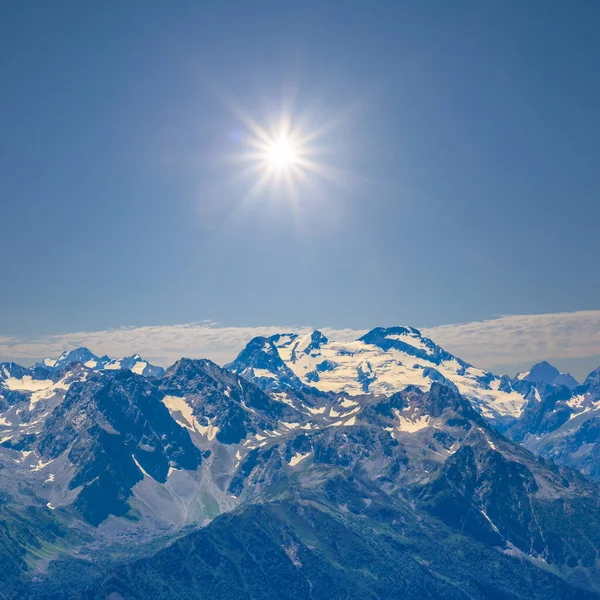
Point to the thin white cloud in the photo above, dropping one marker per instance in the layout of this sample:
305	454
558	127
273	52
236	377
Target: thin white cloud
489	344
526	339
160	344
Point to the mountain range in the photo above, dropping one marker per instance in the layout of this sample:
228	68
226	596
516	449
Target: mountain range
134	363
307	468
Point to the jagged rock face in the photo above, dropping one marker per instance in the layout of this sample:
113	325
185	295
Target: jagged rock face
562	424
579	448
229	405
89	440
18	383
567	380
383	361
543	414
516	508
261	363
114	428
11	369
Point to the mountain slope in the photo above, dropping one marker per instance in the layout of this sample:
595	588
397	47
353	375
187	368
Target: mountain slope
113	429
222	404
307	549
435	451
564	425
25	532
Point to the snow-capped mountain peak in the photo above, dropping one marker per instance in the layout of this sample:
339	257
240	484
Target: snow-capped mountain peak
383	361
81	355
87	358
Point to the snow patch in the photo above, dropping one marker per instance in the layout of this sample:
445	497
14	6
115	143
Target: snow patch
113	366
411	425
263	373
40	465
139	466
139	367
180	410
27	384
290	425
347	403
298	457
210	430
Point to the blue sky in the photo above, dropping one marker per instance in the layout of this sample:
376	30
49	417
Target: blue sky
463	135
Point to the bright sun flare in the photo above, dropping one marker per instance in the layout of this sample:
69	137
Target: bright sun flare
282	156
281	153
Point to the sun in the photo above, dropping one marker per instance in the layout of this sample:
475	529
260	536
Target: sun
279	155
282	154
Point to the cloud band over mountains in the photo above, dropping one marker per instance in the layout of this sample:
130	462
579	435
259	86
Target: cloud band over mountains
490	344
526	339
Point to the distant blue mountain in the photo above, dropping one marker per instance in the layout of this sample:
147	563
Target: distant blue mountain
544	372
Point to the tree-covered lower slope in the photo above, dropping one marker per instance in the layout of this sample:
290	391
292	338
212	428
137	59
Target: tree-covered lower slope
304	548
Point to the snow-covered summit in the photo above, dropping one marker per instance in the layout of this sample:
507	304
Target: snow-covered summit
383	361
68	357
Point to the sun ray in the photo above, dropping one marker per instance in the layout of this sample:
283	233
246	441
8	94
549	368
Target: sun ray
286	157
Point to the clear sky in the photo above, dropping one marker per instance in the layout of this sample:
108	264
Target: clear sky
458	163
